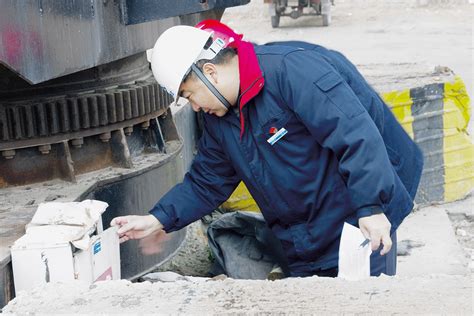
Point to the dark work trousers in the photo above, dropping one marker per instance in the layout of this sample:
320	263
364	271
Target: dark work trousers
386	264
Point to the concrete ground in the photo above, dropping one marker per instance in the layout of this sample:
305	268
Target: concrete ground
436	294
430	243
436	243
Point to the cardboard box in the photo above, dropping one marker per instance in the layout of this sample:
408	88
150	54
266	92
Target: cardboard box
44	255
40	263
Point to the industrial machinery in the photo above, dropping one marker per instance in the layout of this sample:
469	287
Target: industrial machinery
297	8
82	117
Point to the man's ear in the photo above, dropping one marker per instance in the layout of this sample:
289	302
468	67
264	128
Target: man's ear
211	70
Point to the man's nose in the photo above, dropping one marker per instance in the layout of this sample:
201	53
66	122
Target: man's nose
196	108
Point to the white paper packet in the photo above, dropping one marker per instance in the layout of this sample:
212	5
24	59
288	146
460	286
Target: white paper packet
354	260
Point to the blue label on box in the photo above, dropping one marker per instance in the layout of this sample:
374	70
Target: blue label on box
97	247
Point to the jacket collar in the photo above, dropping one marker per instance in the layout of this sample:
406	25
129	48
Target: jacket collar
251	77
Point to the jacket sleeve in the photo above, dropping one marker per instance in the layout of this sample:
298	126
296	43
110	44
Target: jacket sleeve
334	116
209	182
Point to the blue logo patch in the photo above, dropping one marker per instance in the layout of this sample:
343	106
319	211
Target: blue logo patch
277	136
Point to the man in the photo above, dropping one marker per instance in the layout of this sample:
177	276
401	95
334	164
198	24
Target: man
285	121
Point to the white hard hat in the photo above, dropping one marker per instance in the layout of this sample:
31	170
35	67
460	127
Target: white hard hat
174	53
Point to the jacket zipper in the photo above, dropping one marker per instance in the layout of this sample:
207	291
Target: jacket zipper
240	108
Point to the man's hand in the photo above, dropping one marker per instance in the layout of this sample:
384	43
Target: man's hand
154	243
135	226
377	228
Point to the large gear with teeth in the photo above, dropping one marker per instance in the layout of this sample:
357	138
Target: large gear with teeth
64	117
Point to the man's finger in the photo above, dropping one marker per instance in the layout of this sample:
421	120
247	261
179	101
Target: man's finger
365	232
375	241
125	228
124	239
118	221
387	244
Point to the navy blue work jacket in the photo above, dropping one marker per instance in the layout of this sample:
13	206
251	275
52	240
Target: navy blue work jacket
404	154
331	166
